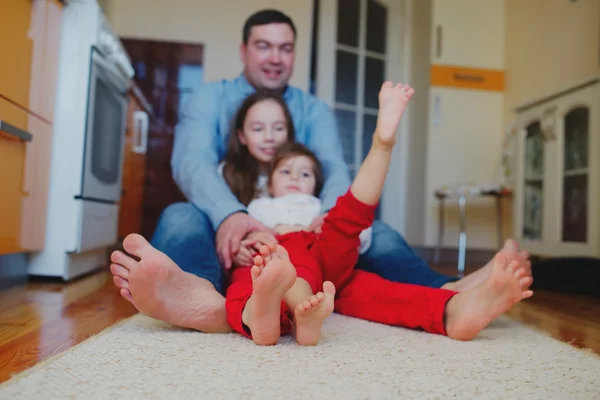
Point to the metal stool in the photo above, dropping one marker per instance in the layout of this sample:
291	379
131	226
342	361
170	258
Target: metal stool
462	192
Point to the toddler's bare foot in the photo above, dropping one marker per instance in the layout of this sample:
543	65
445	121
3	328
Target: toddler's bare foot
467	313
392	103
310	314
158	288
272	275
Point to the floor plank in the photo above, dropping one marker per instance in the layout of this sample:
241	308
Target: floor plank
39	320
43	319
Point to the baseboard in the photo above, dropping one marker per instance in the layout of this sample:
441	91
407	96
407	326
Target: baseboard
577	275
13	270
449	256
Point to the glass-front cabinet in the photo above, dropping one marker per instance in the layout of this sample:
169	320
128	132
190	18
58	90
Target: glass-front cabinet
575	174
533	188
557	193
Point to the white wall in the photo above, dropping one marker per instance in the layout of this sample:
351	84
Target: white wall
443	155
550	45
217	25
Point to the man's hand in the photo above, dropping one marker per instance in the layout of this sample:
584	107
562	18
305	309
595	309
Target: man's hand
230	234
317	223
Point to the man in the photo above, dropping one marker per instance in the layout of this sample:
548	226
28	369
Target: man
179	280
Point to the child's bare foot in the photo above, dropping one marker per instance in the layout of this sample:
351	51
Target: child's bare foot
510	251
310	314
158	288
469	312
272	275
392	103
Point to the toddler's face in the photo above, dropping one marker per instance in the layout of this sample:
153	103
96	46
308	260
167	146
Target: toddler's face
265	129
293	175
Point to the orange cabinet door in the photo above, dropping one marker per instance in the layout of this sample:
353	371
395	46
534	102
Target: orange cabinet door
20	31
14	140
30	44
36	181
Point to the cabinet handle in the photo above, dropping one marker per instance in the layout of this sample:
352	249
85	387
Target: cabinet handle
14	131
438	41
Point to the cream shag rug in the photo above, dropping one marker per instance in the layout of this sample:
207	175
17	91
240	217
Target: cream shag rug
144	359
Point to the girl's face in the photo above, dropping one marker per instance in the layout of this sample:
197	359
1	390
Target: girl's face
293	175
265	129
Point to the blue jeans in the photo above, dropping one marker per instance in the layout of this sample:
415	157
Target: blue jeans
185	234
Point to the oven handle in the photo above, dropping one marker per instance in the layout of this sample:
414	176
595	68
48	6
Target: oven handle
140	132
15	132
110	72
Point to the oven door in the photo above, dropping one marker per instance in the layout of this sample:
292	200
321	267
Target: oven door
105	131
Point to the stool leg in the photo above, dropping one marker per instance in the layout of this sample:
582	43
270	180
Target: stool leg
440	241
499	220
462	238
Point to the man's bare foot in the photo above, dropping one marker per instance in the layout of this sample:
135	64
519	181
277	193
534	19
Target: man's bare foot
272	275
158	288
310	314
510	251
393	100
467	313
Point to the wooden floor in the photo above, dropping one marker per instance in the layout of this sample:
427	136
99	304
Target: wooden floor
42	319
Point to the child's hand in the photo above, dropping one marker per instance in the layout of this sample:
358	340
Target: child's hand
317	223
250	246
261	237
231	232
245	255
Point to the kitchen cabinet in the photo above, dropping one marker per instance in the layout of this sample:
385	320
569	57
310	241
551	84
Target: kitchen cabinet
557	195
30	43
131	206
24	165
13	146
36	182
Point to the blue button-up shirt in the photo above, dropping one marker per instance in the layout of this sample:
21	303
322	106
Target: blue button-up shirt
201	143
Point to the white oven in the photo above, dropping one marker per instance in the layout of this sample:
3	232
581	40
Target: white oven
94	76
106	119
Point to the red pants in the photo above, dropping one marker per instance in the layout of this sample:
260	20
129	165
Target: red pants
360	294
240	288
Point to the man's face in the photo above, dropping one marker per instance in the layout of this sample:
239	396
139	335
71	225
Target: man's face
269	56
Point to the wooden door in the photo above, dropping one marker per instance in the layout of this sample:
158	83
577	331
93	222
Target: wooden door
166	73
131	209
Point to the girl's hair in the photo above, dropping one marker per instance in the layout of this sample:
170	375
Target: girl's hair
241	169
294	149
